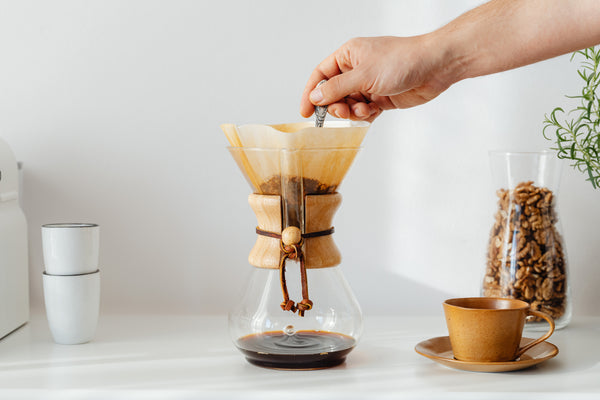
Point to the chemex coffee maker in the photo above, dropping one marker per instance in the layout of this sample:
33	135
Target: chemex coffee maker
298	311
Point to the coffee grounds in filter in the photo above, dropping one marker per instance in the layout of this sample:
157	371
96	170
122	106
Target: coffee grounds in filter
272	186
291	194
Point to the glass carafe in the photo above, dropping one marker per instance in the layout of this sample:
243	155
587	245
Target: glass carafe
526	256
297	310
271	337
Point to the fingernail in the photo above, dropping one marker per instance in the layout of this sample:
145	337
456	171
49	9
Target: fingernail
316	95
359	113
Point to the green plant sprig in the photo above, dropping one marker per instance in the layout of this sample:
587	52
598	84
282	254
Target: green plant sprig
578	139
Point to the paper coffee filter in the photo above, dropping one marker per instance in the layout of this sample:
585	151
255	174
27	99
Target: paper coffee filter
268	154
257	165
303	135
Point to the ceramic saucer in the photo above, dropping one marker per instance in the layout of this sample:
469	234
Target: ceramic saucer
439	350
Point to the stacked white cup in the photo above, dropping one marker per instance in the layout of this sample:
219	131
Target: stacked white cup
71	280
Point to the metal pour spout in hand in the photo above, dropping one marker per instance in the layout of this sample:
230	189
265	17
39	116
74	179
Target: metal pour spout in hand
320	111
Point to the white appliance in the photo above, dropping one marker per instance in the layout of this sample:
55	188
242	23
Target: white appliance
14	274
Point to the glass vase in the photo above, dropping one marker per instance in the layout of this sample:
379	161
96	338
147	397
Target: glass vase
526	256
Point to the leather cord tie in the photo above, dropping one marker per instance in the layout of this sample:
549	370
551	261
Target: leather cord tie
304	235
291	241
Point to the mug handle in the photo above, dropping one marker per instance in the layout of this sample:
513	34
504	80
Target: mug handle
541	339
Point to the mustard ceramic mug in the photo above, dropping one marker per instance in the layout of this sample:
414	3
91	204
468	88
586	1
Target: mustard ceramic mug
488	329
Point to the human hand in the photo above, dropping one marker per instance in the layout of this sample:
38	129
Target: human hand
369	75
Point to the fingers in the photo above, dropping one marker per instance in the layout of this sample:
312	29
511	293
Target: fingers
330	92
325	70
354	110
339	110
342	80
361	110
336	88
342	90
306	107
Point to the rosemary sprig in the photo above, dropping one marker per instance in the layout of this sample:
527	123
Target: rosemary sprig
578	139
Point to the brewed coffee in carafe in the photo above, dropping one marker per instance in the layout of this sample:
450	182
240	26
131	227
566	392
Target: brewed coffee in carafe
297	310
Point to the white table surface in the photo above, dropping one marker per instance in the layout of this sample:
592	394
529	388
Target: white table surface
191	357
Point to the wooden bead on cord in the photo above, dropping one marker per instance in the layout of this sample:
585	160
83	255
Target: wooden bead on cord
291	235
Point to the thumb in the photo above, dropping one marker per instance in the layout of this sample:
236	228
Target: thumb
337	88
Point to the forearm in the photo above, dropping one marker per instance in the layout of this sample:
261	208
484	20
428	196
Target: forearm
506	34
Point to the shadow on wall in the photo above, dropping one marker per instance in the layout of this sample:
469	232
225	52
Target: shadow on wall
396	295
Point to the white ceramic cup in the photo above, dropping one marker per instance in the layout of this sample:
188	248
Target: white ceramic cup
70	249
72	306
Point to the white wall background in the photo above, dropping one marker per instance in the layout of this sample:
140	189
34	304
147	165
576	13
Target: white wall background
114	108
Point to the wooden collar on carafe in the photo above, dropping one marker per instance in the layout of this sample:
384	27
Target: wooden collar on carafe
291	241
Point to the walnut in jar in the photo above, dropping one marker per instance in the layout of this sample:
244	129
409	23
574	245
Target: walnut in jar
525	257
